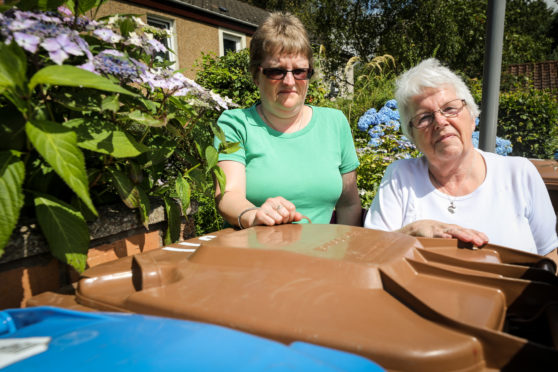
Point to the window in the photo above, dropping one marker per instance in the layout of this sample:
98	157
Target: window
230	41
169	42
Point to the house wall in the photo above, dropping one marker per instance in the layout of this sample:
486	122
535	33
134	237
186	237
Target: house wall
192	37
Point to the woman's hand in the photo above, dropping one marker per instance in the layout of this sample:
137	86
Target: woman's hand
276	211
437	229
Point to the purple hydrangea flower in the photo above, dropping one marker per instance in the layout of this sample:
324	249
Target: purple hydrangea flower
21	24
28	42
64	11
154	46
113	62
61	47
89	66
107	35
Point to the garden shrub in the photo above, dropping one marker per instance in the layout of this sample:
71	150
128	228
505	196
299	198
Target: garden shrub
527	117
373	85
230	77
90	115
385	144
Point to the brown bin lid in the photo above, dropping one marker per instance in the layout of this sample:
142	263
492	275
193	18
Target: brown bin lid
405	303
548	169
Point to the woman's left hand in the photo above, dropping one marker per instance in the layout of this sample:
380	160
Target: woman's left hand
437	229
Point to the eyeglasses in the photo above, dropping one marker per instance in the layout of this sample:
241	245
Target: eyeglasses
449	110
276	73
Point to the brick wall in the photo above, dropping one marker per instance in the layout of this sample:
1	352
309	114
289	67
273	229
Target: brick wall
544	74
28	269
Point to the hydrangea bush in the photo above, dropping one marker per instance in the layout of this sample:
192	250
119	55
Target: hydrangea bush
385	144
89	113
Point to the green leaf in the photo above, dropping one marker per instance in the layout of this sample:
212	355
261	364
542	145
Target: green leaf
128	191
84	5
212	156
12	174
116	143
144	119
110	103
105	137
160	150
64	229
126	26
143	207
198	147
221	178
218	132
39	4
74	77
182	188
231	147
12	133
13	66
58	146
173	221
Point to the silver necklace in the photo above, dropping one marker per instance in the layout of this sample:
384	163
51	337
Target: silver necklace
451	208
266	119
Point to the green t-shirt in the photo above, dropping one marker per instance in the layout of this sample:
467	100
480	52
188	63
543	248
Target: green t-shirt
304	167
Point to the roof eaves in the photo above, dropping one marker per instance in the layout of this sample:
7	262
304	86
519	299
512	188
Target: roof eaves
215	13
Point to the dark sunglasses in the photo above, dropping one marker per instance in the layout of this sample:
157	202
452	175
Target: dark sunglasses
276	73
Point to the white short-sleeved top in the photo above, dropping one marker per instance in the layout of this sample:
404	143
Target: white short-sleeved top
512	206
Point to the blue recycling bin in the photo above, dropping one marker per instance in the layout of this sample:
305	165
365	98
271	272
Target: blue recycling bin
49	338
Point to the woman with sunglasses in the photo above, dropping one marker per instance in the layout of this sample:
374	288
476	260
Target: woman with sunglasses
455	190
295	160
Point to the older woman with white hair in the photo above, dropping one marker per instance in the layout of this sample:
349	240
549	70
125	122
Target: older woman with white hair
455	190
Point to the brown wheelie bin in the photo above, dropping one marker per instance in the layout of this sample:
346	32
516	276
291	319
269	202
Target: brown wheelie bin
407	304
548	169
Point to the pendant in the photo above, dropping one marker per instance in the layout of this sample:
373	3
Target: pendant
451	207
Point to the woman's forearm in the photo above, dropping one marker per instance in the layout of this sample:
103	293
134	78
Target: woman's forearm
231	204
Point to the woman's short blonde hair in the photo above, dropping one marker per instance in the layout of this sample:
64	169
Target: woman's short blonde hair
280	34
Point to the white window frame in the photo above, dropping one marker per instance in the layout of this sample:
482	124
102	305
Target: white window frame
168	24
238	38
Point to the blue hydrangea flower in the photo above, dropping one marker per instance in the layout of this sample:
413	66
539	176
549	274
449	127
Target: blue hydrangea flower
503	146
366	120
374	142
389	113
392	104
393	125
476	139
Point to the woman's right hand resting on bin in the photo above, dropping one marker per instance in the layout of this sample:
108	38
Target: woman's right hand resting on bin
238	211
437	229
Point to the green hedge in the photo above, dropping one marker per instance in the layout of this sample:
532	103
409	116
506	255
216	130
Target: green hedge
527	116
529	119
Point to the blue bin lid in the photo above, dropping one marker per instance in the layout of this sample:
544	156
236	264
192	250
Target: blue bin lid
45	338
